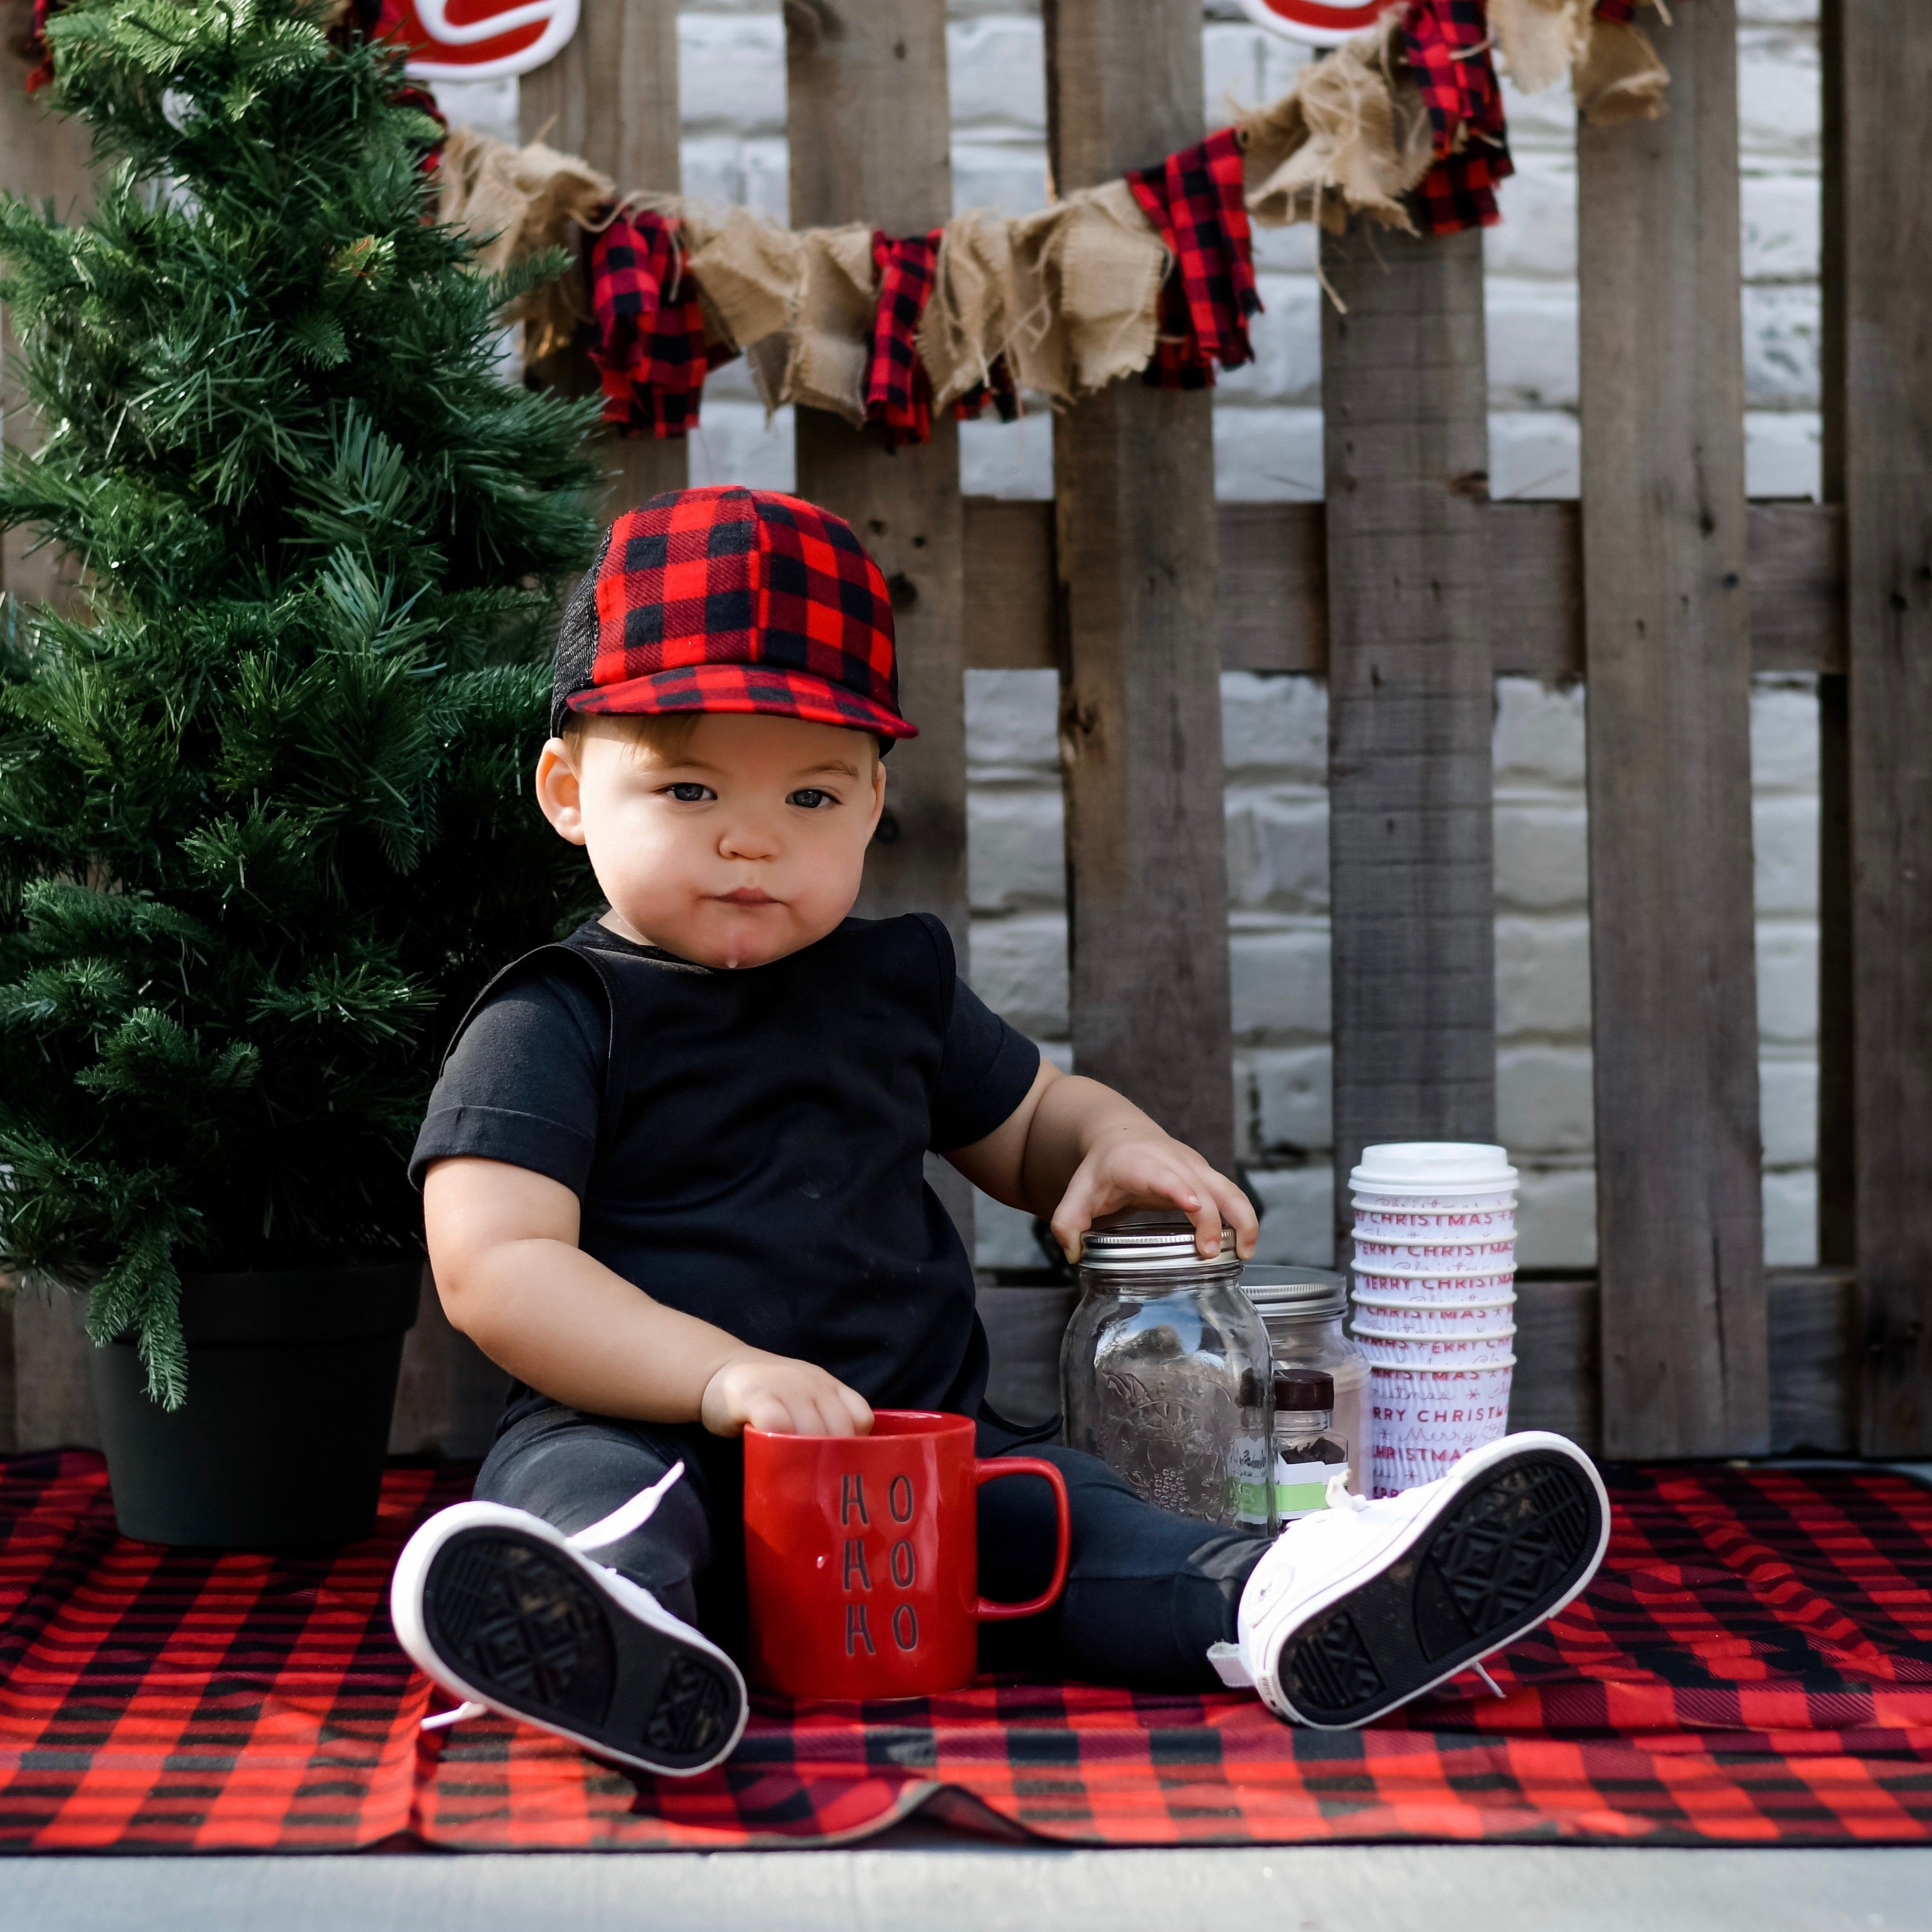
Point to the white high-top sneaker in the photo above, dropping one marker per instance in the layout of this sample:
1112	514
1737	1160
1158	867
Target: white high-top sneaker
506	1613
1363	1606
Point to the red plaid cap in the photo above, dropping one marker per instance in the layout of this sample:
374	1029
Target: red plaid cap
731	599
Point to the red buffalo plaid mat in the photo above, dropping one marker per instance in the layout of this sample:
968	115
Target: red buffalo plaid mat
1753	1666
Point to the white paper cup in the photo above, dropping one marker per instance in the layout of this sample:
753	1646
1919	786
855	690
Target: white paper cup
1430	1223
1408	1466
1438	1175
1441	1398
1488	1348
1434	1254
1448	1319
1422	1420
1399	1285
1454	1173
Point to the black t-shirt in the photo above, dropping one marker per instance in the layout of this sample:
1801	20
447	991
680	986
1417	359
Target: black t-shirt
748	1146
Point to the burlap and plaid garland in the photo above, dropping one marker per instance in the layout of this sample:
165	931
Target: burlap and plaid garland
1404	125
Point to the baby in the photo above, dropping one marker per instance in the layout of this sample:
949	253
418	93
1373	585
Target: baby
673	1181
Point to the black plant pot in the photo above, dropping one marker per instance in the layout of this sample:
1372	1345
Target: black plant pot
291	1378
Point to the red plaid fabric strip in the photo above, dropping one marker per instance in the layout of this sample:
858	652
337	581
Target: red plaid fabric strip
42	72
997	393
650	348
1179	361
1752	1665
898	393
1447	45
1194	200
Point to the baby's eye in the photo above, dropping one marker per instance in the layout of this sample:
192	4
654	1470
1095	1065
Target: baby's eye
687	792
812	798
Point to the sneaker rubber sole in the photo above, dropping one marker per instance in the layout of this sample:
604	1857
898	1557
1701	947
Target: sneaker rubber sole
518	1622
1505	1553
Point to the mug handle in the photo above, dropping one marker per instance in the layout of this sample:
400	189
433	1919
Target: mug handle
990	1470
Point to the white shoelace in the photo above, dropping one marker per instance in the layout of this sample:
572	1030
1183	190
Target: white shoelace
598	1535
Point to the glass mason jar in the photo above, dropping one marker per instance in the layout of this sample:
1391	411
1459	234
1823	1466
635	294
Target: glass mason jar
1302	1310
1165	1373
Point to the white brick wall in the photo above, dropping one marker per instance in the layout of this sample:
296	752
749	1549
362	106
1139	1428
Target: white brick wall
1267	446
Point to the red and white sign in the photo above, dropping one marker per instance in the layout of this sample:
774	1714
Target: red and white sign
1318	23
479	40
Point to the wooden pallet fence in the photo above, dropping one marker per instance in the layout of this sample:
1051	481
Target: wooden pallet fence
1666	616
1411	592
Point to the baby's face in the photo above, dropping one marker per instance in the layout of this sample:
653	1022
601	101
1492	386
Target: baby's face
746	844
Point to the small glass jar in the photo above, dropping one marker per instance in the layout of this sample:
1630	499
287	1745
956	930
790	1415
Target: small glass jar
1303	1310
1165	1373
1307	1453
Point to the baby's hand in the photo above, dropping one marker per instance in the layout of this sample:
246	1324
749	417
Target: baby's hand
1135	1165
787	1397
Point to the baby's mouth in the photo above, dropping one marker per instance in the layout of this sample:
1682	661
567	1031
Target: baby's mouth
747	895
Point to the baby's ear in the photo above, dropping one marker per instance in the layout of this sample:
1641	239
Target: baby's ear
558	792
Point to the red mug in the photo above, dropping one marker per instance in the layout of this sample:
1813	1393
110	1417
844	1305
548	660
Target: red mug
861	1556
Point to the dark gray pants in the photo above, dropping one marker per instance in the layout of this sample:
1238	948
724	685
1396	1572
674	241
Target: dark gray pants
1147	1591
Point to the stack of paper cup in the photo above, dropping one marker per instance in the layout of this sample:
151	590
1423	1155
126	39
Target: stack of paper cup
1435	1295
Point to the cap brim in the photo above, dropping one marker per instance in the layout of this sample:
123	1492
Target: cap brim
756	689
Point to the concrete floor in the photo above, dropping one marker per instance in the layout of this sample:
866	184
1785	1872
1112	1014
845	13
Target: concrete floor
951	1887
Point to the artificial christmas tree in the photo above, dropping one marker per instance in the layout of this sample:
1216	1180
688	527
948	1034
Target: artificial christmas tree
263	832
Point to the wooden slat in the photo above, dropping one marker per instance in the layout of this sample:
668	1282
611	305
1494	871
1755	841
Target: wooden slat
1884	73
53	1397
611	96
1815	1360
44	157
449	1395
1272	609
1271	596
1411	695
1536	589
1795	576
1558	1383
1838	1184
867	119
1680	1239
1023	1327
1140	700
1010	586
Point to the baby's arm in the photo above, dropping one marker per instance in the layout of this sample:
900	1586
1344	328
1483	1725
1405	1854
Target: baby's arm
1073	1149
503	1244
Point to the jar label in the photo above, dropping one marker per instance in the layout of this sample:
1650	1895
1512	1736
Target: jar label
1250	1485
1300	1489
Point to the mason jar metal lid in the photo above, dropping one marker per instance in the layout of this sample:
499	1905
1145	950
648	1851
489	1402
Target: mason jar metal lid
1152	1241
1297	1293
